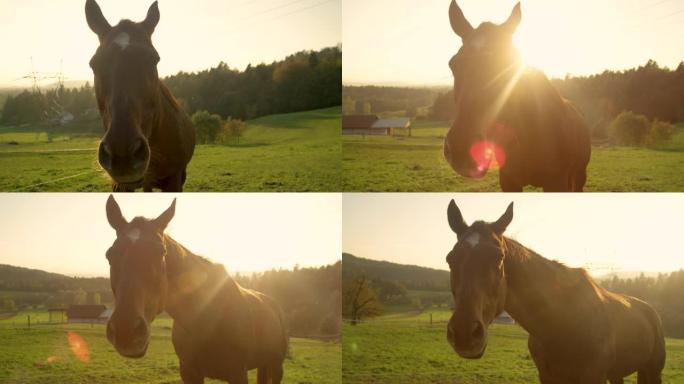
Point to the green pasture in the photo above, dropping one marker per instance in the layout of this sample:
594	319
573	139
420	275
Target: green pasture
407	348
42	354
416	164
289	152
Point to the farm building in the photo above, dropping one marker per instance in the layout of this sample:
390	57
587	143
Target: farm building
57	313
88	314
373	125
504	318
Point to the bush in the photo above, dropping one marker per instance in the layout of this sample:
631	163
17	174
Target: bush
661	133
231	131
207	126
629	128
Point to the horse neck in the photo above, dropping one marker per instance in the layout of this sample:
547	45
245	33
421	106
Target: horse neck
192	282
532	96
168	107
542	295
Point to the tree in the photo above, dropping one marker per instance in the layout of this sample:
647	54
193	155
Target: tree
661	132
94	298
207	126
360	300
80	296
630	128
233	128
8	305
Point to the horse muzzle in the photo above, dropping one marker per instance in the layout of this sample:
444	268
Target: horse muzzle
463	165
129	340
125	164
469	343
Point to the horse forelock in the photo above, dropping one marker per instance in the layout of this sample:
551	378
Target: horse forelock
127	29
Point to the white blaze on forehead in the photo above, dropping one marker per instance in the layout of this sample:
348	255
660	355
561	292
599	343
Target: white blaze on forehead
473	239
133	235
478	42
122	40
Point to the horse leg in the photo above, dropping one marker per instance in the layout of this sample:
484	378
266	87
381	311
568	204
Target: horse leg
240	377
262	375
580	178
189	374
172	183
121	188
562	183
277	373
649	375
507	184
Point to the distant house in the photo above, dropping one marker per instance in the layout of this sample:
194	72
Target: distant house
88	314
373	125
504	318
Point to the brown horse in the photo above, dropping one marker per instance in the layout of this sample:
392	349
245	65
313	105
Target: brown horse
220	330
148	140
512	114
578	331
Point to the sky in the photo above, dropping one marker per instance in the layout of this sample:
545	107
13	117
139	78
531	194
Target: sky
247	232
191	35
605	233
402	42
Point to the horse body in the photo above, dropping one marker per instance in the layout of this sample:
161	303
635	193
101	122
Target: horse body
511	113
578	331
173	144
220	329
148	139
544	137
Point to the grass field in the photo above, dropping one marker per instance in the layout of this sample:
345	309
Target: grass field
382	163
407	349
290	152
42	354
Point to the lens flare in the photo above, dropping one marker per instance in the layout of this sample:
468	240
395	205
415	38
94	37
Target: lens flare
78	346
52	359
486	155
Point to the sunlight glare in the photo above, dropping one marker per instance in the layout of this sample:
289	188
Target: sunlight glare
78	347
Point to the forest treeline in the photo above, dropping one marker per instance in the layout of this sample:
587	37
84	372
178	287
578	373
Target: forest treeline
388	285
303	81
651	90
665	292
310	297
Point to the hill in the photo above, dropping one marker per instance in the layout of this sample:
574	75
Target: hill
412	277
22	279
286	152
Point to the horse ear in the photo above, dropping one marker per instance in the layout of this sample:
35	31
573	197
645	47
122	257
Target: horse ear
96	21
456	219
152	18
114	216
513	20
163	220
500	225
459	24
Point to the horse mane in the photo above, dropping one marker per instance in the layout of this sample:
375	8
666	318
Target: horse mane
168	97
559	274
533	89
191	271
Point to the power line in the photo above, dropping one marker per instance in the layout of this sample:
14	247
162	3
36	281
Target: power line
654	4
298	10
271	9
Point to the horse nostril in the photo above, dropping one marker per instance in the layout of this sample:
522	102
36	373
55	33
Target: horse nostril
140	328
139	151
477	331
104	156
